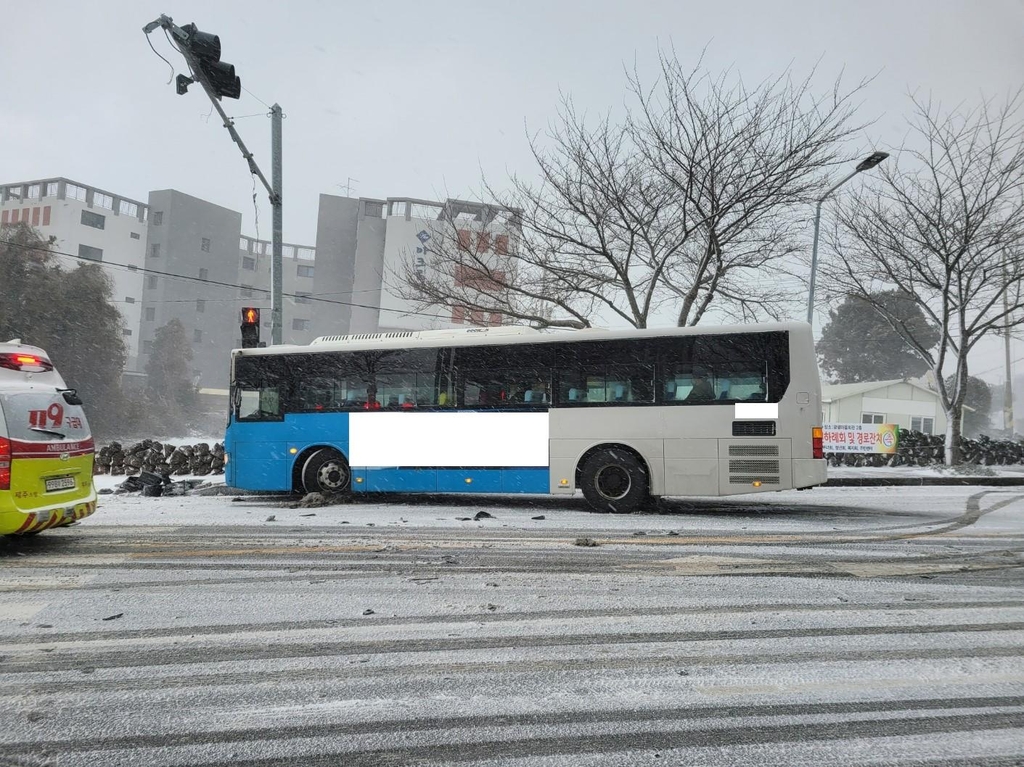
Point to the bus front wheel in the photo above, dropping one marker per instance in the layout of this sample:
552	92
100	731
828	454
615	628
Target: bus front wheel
326	472
614	480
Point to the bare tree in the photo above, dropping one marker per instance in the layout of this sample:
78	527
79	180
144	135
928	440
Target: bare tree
944	224
689	200
595	233
746	162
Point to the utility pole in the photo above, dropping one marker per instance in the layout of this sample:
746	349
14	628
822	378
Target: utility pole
276	264
201	51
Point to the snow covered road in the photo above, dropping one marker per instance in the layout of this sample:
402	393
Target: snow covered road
838	626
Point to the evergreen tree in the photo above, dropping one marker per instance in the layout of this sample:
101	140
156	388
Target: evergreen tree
168	373
70	314
859	344
977	407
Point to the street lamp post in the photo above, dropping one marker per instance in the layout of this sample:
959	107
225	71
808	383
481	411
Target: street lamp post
867	163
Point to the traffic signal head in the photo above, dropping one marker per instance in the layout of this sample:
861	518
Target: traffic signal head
250	327
202	44
221	76
205	48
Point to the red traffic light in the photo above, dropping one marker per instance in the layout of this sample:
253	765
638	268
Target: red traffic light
250	316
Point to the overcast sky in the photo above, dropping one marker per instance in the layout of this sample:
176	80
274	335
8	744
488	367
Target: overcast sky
416	99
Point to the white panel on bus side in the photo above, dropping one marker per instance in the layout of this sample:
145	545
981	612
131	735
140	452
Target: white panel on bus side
691	467
757	410
448	439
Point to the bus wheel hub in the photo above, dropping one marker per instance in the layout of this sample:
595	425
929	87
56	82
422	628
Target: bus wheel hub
613	482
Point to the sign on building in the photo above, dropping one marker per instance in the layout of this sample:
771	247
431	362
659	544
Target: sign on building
860	437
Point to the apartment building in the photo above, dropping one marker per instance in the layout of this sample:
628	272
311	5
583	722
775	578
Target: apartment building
177	256
363	245
89	224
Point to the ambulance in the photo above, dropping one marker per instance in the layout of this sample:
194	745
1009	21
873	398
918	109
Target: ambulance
46	448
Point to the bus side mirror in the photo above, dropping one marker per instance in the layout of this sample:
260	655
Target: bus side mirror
71	397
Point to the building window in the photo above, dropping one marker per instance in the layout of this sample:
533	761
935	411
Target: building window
374	209
129	300
100	200
922	424
872	418
200	305
205	245
150	314
307	254
243	244
34	190
51	189
249	263
147	347
126	208
126	332
134	235
95	220
197	336
158	217
247	291
90	253
154	250
300	324
74	192
204	273
151	281
302	298
288	251
305	271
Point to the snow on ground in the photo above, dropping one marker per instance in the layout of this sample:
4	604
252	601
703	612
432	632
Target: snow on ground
882	472
824	510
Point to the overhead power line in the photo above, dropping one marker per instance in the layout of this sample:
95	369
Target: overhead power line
218	283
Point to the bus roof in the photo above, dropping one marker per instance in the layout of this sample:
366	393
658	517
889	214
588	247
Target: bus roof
503	335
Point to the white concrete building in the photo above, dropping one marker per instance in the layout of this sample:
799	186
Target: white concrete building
363	244
93	225
909	404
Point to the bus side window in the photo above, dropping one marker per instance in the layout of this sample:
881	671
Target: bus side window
248	403
257	404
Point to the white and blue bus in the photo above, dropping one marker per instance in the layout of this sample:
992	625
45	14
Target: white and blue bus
623	416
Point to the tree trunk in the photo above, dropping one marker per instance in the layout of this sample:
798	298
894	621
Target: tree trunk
952	437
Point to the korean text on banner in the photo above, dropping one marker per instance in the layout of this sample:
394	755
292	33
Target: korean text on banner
860	437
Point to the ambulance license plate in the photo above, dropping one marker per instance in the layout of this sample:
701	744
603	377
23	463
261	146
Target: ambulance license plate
60	483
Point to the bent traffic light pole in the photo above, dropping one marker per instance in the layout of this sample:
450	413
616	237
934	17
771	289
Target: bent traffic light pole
217	78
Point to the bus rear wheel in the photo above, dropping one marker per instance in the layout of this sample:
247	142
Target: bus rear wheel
326	472
614	480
